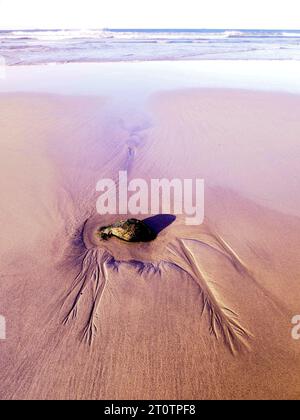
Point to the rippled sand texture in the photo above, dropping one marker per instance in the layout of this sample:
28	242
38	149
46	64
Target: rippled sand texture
201	312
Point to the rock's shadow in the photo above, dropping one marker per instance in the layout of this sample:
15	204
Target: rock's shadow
159	222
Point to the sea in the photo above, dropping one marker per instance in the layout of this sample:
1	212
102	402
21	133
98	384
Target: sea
23	47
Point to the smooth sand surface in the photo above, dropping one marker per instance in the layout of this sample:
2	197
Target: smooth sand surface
201	312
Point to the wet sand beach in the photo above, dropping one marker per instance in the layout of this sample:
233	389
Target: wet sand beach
202	312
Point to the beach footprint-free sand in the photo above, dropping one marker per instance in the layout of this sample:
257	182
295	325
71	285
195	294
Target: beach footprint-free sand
201	311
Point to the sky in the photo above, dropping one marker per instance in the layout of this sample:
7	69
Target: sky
85	14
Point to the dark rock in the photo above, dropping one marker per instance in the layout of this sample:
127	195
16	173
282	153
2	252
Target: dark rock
131	230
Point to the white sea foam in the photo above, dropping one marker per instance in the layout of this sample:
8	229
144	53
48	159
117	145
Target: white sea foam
57	46
2	68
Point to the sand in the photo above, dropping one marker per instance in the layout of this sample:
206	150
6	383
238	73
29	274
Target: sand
203	312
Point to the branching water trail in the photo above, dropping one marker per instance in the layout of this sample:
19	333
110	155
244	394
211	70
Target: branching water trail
223	321
94	271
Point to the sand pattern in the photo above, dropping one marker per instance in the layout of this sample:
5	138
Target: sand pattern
200	312
223	322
